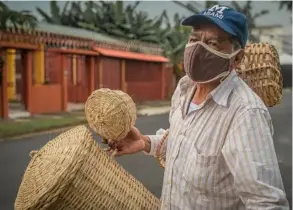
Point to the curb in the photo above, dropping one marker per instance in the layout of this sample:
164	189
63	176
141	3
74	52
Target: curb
38	133
150	111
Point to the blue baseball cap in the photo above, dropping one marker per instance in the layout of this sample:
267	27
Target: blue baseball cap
228	19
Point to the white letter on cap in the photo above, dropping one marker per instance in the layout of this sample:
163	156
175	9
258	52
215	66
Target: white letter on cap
218	9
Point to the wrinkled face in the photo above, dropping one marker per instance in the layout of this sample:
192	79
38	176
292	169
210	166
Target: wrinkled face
212	36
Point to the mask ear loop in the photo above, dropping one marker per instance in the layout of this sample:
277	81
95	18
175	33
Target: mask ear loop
223	78
233	55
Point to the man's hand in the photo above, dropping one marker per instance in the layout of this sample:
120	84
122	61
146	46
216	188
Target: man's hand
134	142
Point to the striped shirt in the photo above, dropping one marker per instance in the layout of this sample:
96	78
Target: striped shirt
220	155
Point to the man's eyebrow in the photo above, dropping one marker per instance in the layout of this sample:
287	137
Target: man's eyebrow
194	34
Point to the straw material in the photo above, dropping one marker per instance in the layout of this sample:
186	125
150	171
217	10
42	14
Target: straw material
260	69
110	113
161	150
72	172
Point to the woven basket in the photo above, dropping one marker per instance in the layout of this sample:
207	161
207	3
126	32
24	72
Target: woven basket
110	113
260	69
72	172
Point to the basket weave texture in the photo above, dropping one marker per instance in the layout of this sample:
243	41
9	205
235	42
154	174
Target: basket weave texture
110	113
72	172
260	69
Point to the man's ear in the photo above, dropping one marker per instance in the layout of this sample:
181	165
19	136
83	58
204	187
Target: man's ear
238	59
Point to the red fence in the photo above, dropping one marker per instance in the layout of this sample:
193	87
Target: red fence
111	73
144	91
46	99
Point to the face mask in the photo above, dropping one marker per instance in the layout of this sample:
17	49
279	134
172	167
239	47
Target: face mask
203	64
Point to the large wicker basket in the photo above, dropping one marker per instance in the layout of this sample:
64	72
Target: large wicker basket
260	69
72	172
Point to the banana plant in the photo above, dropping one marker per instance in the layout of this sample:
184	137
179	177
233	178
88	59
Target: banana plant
14	19
114	19
110	18
173	44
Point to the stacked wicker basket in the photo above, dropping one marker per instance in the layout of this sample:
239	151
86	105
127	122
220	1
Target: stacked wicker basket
260	68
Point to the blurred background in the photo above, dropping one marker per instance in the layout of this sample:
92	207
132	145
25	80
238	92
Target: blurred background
53	54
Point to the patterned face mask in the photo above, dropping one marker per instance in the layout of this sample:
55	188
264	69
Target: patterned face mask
203	64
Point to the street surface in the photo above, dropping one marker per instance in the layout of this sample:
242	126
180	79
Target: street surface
14	155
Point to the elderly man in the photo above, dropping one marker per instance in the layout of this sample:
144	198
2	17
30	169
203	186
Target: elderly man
220	152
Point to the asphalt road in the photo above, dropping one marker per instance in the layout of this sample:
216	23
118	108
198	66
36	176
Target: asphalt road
14	155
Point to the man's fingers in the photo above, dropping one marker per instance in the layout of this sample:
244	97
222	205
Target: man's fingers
107	149
114	152
110	151
121	152
111	143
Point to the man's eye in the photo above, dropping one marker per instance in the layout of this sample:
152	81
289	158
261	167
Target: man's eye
192	40
213	44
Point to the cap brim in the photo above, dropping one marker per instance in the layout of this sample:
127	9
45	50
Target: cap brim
195	20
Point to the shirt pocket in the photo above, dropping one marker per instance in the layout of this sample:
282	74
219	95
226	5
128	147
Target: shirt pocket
200	171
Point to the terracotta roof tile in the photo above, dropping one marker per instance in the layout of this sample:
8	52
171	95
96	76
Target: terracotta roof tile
130	55
64	36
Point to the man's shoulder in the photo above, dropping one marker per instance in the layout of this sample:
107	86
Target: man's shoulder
244	97
183	85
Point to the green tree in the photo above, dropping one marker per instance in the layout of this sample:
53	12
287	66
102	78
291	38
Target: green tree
110	18
113	18
173	43
16	20
68	17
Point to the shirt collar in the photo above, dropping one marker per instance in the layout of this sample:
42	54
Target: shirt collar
220	95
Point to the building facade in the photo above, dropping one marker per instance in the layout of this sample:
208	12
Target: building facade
56	65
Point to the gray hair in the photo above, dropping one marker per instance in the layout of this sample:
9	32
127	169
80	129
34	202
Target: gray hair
235	45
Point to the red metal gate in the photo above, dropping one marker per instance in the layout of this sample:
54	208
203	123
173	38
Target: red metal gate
78	80
111	73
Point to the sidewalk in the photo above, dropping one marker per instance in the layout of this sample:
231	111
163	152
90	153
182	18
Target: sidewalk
147	108
30	125
153	108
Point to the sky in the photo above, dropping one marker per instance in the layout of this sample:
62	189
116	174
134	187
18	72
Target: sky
154	8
